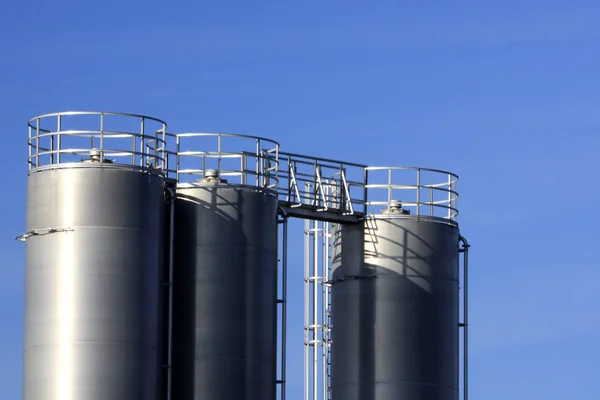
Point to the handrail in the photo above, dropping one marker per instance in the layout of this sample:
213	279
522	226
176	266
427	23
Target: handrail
65	139
320	184
426	192
248	160
69	113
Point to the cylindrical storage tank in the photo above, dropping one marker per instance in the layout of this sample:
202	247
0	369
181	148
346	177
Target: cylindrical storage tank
395	318
224	330
225	269
94	262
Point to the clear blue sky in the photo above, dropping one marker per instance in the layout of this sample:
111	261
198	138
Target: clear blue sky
505	94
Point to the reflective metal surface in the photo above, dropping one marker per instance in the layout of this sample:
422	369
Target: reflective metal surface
395	310
93	285
224	332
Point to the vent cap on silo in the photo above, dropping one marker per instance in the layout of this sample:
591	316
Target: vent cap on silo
96	156
211	176
395	207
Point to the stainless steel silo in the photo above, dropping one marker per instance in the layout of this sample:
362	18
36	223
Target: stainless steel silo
94	260
225	285
395	304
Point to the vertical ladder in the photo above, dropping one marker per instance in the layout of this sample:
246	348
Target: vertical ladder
317	270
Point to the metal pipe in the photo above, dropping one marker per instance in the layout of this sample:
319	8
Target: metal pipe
284	306
306	303
465	251
170	307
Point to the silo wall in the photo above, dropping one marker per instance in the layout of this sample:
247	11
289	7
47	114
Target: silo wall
225	288
395	310
93	283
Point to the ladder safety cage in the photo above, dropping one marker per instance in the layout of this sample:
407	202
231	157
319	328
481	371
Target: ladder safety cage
317	319
96	136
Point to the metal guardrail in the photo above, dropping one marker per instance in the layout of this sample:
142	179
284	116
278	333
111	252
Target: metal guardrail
338	187
256	166
95	136
422	192
310	184
321	184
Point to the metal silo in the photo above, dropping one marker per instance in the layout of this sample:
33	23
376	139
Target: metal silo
395	293
94	257
225	269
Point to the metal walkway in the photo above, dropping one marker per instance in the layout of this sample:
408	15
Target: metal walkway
321	189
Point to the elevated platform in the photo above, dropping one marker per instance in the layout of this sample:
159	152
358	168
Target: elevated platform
307	187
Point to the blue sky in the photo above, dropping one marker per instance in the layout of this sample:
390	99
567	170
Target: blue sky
503	93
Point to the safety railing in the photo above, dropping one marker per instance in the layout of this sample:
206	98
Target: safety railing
93	136
321	184
410	190
228	158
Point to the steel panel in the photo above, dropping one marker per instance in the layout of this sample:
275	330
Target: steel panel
224	344
395	310
92	320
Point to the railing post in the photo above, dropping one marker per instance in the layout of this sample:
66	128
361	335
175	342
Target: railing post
342	191
257	170
177	156
58	139
142	130
156	149
289	178
449	196
37	144
365	190
29	144
133	147
315	189
243	169
219	154
101	138
389	187
431	210
418	191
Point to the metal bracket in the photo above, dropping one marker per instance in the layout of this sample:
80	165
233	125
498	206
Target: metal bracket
348	277
39	232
